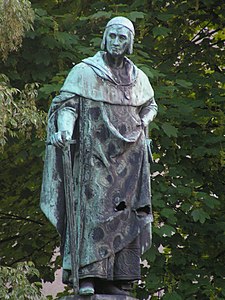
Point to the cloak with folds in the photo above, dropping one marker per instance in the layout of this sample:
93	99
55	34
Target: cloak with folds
110	159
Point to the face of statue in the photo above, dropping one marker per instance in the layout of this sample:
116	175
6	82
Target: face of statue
117	40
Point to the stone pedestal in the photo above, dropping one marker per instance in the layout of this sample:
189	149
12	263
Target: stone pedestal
98	297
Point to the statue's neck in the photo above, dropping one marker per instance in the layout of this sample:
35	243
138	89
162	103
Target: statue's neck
114	61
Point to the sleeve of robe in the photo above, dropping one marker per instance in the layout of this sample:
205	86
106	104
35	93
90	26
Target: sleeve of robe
64	109
148	111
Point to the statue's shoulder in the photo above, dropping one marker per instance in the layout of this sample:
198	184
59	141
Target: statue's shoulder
79	74
143	79
143	83
137	72
79	69
142	76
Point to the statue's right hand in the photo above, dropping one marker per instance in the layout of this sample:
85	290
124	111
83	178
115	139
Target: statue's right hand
58	140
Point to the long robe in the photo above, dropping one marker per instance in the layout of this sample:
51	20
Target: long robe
110	159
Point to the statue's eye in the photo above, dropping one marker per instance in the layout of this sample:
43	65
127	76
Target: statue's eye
123	37
112	35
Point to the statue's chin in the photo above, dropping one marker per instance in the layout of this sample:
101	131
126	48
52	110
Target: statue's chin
116	54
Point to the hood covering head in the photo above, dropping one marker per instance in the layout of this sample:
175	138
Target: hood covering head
121	21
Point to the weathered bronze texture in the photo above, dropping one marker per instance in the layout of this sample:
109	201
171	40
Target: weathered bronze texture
103	210
98	297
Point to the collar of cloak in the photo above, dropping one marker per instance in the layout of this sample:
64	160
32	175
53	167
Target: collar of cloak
97	63
93	79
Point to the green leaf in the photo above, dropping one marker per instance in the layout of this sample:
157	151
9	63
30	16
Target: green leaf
167	212
147	71
96	41
184	83
168	230
170	130
161	31
49	88
172	296
200	215
136	15
165	16
152	253
40	12
101	14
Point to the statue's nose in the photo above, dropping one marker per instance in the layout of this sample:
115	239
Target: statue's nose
116	41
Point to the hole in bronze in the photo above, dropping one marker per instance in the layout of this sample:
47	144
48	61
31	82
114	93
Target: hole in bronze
121	206
143	211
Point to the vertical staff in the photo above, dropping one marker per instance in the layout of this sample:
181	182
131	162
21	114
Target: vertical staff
72	214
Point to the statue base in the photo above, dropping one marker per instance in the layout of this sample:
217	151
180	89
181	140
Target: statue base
98	297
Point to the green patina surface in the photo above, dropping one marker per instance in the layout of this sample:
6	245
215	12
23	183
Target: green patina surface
105	110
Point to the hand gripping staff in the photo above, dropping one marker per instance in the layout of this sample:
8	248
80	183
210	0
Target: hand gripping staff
149	145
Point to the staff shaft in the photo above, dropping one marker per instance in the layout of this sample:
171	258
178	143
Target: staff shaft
72	215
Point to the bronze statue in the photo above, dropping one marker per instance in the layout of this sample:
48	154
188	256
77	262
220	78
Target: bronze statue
96	182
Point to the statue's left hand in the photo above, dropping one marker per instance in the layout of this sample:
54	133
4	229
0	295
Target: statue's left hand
59	139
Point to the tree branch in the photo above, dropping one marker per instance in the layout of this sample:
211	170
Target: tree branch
188	44
36	250
200	31
11	238
218	42
206	36
16	217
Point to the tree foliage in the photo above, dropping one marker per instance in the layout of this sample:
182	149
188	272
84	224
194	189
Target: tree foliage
180	46
18	112
16	17
15	282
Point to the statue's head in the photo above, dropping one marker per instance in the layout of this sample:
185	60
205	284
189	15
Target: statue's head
118	37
